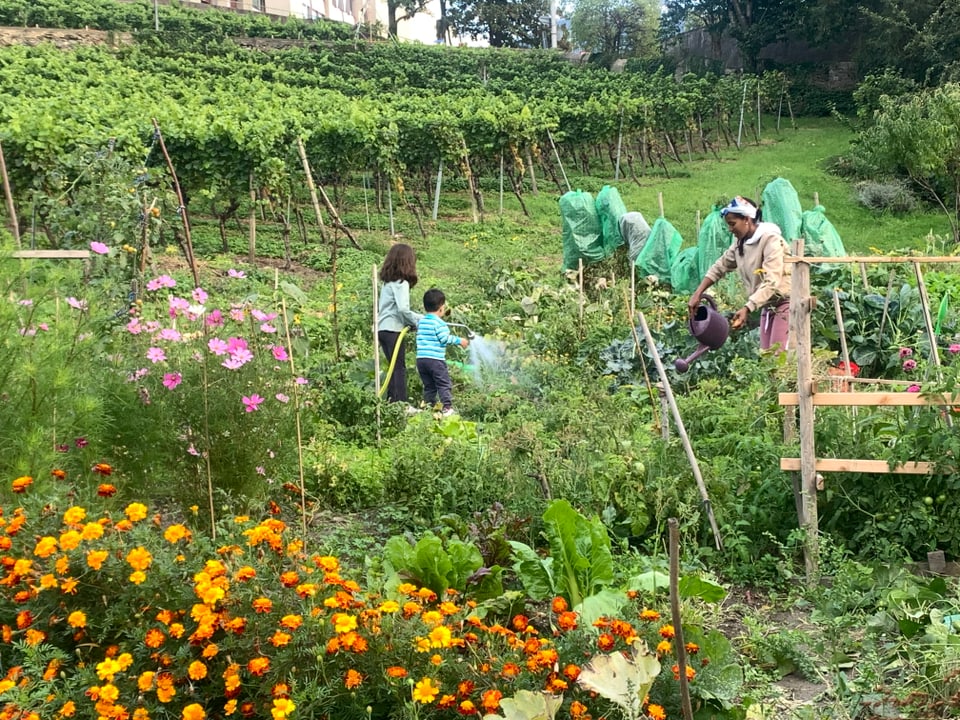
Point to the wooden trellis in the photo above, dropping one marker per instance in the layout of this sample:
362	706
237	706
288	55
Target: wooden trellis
807	398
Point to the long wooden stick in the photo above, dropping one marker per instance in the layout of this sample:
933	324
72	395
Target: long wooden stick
8	194
188	242
681	430
311	187
680	647
296	410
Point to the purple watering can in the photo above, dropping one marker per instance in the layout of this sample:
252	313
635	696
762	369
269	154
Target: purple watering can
709	328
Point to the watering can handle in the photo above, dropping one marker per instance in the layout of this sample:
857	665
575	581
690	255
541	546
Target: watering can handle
708	299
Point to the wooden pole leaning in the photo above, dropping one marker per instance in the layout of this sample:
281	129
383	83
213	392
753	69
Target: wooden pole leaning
8	195
801	305
681	649
681	430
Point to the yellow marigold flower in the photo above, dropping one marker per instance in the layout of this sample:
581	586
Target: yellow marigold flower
406	588
62	566
74	516
138	577
141	714
45	547
664	647
48	581
656	712
176	630
145	681
440	637
197	670
109	692
96	558
389	606
107	669
344	623
69	709
282	707
449	608
432	617
353	679
69	540
92	531
230	708
77	619
425	692
69	586
306	590
135	512
176	533
422	644
194	711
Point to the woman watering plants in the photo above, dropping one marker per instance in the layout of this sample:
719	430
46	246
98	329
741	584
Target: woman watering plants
399	275
757	254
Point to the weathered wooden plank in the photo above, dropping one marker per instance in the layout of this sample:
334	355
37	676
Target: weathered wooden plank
853	465
875	259
888	399
51	254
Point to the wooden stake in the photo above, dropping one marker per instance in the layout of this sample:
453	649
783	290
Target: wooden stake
376	331
681	430
501	183
252	241
188	242
801	305
557	156
680	647
8	194
616	172
436	193
743	102
660	202
580	287
310	186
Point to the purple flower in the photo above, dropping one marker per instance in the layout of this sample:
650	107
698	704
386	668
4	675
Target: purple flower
252	402
164	281
171	380
279	353
156	355
909	365
905	352
913	388
99	248
236	273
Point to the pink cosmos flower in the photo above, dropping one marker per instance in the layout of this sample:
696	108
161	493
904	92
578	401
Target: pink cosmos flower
279	353
214	319
169	334
199	296
236	273
134	327
43	326
25	303
178	306
171	380
77	304
905	352
242	356
218	346
238	314
301	381
193	450
954	348
267	328
164	281
261	316
231	363
913	388
282	398
909	365
156	355
234	344
252	402
99	248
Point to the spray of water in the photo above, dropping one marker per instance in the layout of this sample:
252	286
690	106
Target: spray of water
492	363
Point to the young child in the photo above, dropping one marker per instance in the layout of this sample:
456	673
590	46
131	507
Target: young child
433	336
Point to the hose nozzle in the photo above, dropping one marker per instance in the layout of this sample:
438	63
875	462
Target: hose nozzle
469	333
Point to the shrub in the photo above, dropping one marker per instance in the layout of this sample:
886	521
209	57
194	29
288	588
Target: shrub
893	196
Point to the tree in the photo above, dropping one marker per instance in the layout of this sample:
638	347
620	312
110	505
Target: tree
503	23
409	8
620	28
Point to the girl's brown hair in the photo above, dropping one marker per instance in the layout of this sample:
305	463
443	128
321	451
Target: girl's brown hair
400	264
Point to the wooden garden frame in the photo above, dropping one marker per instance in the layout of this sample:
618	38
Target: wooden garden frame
807	398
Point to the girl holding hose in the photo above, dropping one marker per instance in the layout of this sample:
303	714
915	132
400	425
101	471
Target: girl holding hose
399	276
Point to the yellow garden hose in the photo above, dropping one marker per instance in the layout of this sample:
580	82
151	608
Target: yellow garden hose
393	361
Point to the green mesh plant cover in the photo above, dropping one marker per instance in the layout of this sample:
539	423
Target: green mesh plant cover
660	251
610	209
820	237
685	273
635	230
781	205
582	238
713	240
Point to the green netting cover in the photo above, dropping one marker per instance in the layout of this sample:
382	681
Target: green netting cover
685	273
820	237
713	241
635	230
610	209
581	230
660	251
781	205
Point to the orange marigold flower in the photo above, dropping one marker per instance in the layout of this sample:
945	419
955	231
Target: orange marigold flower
520	622
77	619
446	702
263	605
577	709
280	638
656	712
406	588
465	688
648	615
24	619
510	670
21	484
139	558
449	608
176	533
490	701
353	679
258	666
396	672
556	685
571	672
606	641
138	577
559	605
35	637
691	673
92	531
692	648
106	490
467	707
210	651
664	647
45	547
59	474
197	670
567	620
289	578
668	632
193	711
246	573
145	681
102	469
291	622
69	709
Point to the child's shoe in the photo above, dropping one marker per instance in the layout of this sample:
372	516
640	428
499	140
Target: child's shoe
448	412
411	410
